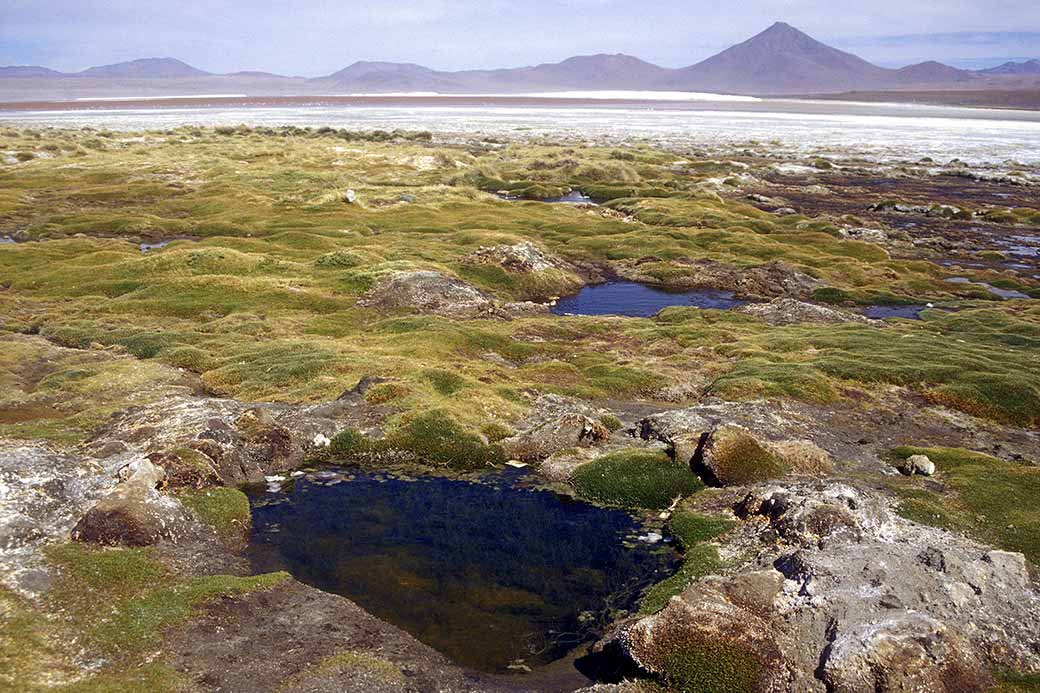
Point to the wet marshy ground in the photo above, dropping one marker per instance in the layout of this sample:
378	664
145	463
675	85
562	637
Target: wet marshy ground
947	241
496	576
639	301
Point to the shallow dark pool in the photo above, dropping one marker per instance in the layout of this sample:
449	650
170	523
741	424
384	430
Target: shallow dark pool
912	312
638	300
488	573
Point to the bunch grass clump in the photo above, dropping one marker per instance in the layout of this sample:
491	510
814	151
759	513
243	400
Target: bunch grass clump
635	478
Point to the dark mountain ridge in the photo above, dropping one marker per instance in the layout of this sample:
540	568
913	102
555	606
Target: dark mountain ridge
780	60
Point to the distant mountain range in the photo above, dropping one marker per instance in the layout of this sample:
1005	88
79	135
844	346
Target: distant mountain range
779	61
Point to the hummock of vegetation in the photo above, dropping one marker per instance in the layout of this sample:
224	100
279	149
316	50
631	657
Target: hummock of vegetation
255	291
733	457
703	664
224	509
433	437
635	478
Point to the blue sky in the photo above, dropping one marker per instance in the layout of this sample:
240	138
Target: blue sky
312	37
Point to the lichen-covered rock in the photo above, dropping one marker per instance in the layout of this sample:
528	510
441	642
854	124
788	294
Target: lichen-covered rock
838	593
42	494
788	311
523	257
427	291
556	423
827	515
207	440
134	513
910	652
684	431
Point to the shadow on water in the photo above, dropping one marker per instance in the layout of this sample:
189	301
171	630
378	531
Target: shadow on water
489	573
636	300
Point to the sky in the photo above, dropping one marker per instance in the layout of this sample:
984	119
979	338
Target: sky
316	37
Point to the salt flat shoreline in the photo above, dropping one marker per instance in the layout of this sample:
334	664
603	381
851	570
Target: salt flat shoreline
872	104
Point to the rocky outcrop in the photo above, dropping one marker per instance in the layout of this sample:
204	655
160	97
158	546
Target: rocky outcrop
427	291
42	495
736	443
788	311
293	637
835	592
770	280
205	440
134	513
556	423
524	257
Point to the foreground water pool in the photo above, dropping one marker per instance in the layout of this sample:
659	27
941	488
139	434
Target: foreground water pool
489	573
639	301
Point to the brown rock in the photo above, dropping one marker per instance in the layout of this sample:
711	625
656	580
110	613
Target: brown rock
134	513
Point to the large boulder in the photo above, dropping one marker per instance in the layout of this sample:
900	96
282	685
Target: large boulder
910	652
134	513
917	464
707	640
427	291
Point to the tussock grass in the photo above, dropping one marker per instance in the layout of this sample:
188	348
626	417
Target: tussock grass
635	478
